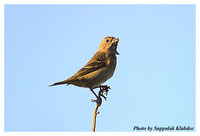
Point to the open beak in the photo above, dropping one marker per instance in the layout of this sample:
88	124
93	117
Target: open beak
115	41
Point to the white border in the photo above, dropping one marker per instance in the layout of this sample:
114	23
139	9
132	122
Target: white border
196	2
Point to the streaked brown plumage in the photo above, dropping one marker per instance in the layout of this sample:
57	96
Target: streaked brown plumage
99	69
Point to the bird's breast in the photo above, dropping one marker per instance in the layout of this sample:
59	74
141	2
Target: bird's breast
111	65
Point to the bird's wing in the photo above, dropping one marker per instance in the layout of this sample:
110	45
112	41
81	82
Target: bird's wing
97	62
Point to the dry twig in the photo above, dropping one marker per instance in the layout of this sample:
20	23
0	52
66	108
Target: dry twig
103	89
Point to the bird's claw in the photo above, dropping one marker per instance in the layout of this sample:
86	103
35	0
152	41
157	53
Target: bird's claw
98	101
103	96
105	89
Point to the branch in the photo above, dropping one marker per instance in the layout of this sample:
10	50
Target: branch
94	117
99	101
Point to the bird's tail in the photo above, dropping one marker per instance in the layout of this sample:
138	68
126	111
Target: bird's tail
60	83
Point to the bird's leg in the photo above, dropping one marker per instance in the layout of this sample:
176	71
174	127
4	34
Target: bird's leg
98	100
101	94
103	89
93	92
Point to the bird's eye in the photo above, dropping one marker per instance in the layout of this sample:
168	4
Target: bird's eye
107	40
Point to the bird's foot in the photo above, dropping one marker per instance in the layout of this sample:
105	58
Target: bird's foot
98	100
103	96
104	89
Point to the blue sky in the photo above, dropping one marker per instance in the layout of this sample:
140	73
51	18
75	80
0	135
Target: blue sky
153	85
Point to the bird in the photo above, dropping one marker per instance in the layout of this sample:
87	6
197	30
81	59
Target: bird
99	69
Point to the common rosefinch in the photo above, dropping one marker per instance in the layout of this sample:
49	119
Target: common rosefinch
99	69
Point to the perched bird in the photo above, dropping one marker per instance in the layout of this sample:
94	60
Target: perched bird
99	69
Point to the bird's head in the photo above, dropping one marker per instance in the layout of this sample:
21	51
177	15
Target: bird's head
109	44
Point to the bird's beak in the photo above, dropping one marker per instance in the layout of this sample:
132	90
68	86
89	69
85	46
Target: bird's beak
115	41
